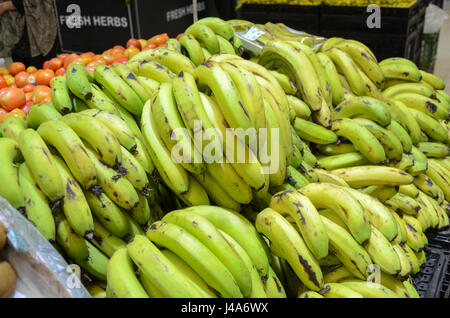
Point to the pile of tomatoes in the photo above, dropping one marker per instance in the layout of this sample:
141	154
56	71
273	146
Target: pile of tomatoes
22	87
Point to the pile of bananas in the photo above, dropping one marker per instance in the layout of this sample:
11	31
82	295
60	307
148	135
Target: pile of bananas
363	169
341	3
289	2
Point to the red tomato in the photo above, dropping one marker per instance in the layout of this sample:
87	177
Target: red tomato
3	82
119	47
21	78
149	46
63	56
160	39
28	88
55	63
45	65
135	43
122	59
43	77
16	67
69	59
41	93
12	98
179	36
60	72
25	108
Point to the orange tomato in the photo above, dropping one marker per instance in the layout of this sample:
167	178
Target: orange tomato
45	65
25	108
69	59
55	63
149	46
116	52
91	54
41	93
31	69
60	72
108	59
9	79
16	67
29	96
179	36
43	77
28	88
119	47
3	82
159	39
134	42
17	112
63	56
131	51
99	59
21	78
3	71
122	59
85	58
12	98
143	43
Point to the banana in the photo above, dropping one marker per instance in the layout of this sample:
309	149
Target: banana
160	155
205	35
131	79
96	290
296	157
73	245
310	294
12	126
39	161
96	263
312	132
326	177
159	270
150	85
415	266
405	163
135	172
392	146
292	247
107	213
326	195
411	290
97	135
225	47
308	220
433	80
402	235
41	113
133	228
202	260
401	113
10	188
410	190
337	91
414	237
440	177
336	290
154	71
105	241
382	193
434	149
420	162
122	281
416	88
142	212
405	265
79	81
382	253
401	71
336	149
373	175
337	274
421	257
60	95
443	97
369	289
402	135
380	217
101	100
193	48
295	178
430	126
273	285
301	108
361	138
308	156
37	208
430	206
209	235
70	147
349	252
78	106
347	66
174	61
150	287
403	203
426	105
369	107
285	82
172	131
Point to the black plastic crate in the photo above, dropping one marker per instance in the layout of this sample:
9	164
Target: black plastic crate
302	18
434	277
439	239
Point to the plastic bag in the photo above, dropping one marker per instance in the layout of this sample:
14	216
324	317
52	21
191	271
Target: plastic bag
434	17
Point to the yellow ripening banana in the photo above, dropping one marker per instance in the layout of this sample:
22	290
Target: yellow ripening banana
355	259
401	113
12	126
368	107
336	290
426	185
169	171
380	216
401	134
60	95
133	81
403	203
41	113
314	133
10	188
205	35
405	265
426	105
286	83
273	285
101	100
75	206
154	265
209	235
411	290
402	71
97	135
433	80
361	138
193	48
71	148
429	125
301	209
420	162
370	289
326	177
434	149
153	70
37	209
406	162
96	263
382	253
79	81
300	107
291	247
136	173
417	88
121	277
44	170
337	274
373	175
202	260
336	149
337	91
415	266
171	130
73	245
382	193
440	176
327	195
410	190
150	85
105	241
402	235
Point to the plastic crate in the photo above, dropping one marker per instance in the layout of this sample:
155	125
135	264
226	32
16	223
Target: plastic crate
439	239
434	277
302	18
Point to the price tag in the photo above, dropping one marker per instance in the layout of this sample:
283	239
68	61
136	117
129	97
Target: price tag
253	33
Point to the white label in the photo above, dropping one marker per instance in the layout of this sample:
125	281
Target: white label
253	33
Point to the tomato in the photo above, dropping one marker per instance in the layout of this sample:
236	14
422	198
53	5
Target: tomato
3	82
149	46
45	65
43	77
91	54
41	93
60	72
16	67
28	88
99	59
86	58
119	47
179	36
135	43
69	59
63	56
122	59
3	71
31	69
131	51
143	43
29	96
17	112
9	79
12	98
21	79
55	63
160	39
25	108
32	79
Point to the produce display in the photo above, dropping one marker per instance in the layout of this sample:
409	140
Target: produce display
133	170
8	276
